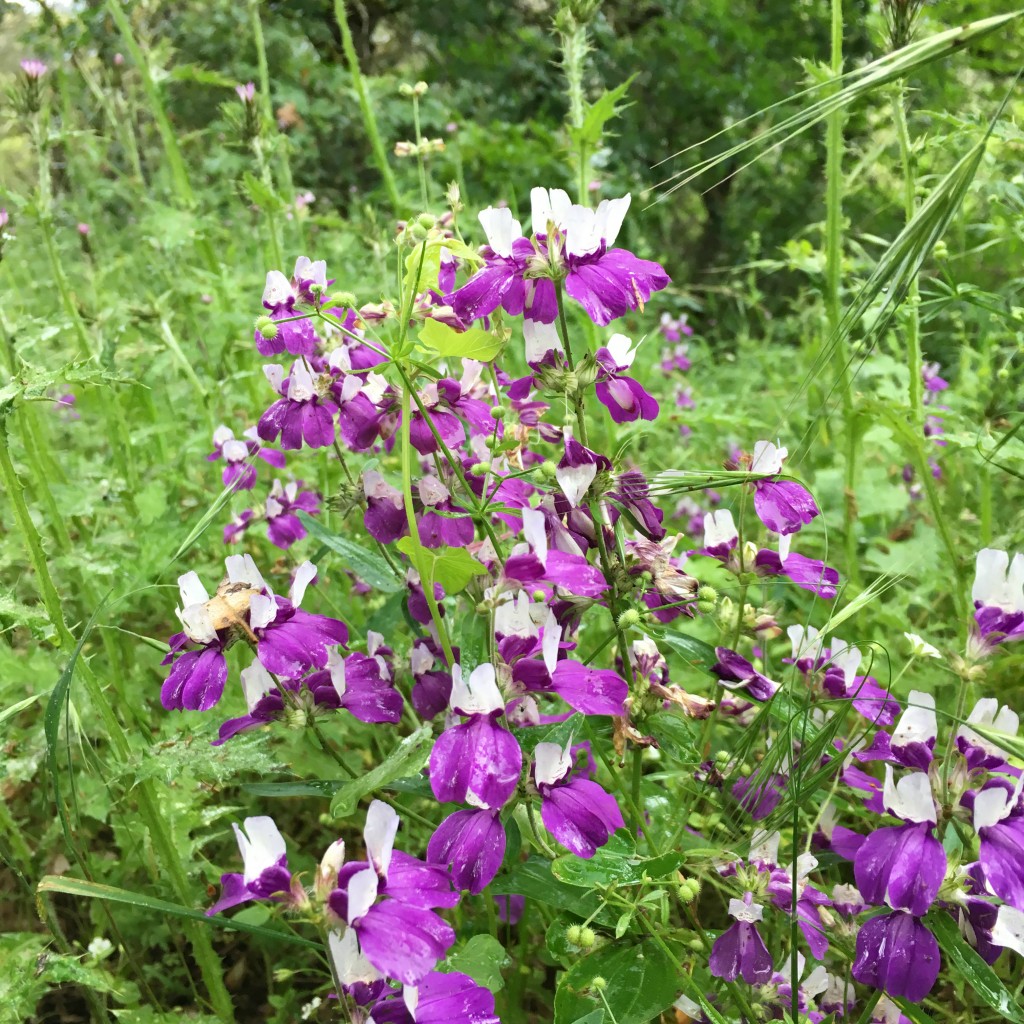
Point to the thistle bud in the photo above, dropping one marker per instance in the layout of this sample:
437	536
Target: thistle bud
267	328
628	619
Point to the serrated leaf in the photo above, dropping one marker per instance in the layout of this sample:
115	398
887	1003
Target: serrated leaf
642	981
482	957
600	112
261	193
406	759
452	568
474	343
365	564
970	966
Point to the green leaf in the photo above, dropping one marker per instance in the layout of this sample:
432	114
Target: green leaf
482	958
452	568
695	653
642	981
310	787
261	193
533	879
615	862
21	705
594	1017
96	891
675	734
365	564
475	343
471	636
970	966
406	759
600	112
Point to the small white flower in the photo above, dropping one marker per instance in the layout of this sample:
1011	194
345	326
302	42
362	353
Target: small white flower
920	648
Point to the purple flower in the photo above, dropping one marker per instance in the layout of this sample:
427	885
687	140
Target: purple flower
239	472
265	866
903	866
388	901
623	397
385	518
536	562
998	595
304	414
471	843
442	523
896	953
578	469
736	673
246	93
478	761
290	641
34	69
576	811
672	330
782	505
807	573
284	527
740	952
720	535
450	998
279	297
606	282
196	680
570	241
868	698
979	751
999	822
432	688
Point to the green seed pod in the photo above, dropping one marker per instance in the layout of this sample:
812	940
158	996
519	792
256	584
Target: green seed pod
341	299
426	220
599	983
498	412
629	618
547	469
696	945
587	937
706	593
573	934
479	469
267	328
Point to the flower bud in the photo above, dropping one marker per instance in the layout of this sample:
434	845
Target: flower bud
420	88
628	619
266	328
406	90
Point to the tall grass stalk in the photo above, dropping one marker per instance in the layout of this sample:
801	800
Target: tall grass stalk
175	161
380	156
834	146
915	361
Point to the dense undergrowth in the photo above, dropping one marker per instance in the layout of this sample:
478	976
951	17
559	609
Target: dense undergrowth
629	538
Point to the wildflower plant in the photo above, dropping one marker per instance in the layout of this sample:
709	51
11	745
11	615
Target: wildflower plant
584	737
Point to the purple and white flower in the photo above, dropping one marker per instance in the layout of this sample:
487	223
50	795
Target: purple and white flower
265	873
624	397
239	471
740	952
784	506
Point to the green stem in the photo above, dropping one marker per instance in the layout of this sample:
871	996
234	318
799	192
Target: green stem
369	120
915	364
420	159
834	144
179	173
149	805
410	515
